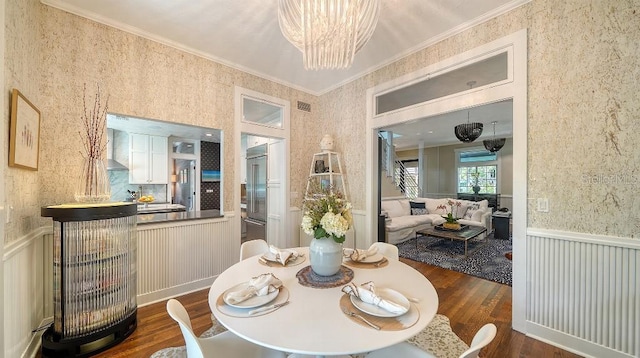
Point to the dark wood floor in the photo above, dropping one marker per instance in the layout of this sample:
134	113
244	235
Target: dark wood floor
469	303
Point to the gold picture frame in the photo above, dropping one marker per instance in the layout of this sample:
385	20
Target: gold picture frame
24	138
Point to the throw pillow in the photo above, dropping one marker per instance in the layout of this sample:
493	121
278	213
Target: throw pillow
419	211
415	206
477	215
471	209
461	211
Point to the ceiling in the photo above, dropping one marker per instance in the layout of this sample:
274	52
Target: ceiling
436	131
245	35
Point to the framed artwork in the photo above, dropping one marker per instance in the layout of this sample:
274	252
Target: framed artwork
210	175
24	137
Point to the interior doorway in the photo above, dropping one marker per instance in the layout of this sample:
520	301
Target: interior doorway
513	87
253	189
262	167
184	186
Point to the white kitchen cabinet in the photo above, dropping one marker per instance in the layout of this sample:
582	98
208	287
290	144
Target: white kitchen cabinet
148	159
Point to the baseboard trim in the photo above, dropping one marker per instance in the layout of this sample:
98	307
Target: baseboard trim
165	294
35	343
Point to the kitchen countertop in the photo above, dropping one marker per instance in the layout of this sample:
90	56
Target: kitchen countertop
177	216
159	207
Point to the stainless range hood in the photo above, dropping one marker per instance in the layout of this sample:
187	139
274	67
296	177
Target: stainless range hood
112	164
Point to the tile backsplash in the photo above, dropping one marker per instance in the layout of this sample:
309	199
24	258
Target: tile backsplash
119	180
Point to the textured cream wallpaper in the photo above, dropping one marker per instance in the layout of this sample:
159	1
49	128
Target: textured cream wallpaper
22	71
144	79
583	108
583	74
141	77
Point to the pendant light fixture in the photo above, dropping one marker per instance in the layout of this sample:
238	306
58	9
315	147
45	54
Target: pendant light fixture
468	132
328	32
495	144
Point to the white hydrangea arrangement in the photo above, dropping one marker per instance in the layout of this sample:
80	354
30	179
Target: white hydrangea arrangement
326	213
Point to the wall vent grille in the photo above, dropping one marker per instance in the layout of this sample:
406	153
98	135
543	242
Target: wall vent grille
304	106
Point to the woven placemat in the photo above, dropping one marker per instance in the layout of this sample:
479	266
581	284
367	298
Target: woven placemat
385	323
306	277
367	265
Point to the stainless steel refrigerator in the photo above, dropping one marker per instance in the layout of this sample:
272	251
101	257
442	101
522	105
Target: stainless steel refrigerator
256	192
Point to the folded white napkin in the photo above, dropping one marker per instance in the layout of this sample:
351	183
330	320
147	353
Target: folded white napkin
281	255
361	255
258	286
367	293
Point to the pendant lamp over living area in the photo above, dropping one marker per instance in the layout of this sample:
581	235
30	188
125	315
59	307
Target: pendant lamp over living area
468	132
495	144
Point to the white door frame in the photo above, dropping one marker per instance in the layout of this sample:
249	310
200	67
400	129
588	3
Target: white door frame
281	133
515	88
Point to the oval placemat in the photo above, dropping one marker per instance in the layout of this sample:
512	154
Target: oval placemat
306	277
385	323
224	308
367	265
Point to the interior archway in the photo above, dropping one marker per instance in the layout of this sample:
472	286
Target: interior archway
513	88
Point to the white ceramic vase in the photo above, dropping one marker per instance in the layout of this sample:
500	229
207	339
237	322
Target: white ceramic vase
325	256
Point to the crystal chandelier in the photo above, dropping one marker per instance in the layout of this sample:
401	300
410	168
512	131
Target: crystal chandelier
328	32
494	144
468	132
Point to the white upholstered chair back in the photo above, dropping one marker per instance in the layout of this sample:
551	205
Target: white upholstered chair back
390	251
252	248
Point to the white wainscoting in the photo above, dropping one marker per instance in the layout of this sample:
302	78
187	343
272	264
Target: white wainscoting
583	292
355	237
179	257
295	219
24	294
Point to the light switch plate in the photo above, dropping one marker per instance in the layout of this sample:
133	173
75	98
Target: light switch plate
543	205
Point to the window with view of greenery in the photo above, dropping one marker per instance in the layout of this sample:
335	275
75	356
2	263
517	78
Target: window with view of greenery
477	167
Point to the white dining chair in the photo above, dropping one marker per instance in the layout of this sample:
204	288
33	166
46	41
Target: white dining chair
482	338
252	248
390	251
225	344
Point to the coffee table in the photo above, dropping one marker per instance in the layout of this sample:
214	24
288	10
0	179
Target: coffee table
466	234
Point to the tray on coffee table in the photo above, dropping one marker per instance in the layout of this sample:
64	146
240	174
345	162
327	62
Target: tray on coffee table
441	227
462	235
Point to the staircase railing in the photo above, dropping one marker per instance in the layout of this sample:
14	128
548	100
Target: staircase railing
395	169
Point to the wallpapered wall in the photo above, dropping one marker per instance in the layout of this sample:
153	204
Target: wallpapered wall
51	54
23	66
582	110
582	68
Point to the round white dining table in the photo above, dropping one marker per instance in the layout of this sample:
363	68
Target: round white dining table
312	323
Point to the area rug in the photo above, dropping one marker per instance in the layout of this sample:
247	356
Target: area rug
437	338
485	260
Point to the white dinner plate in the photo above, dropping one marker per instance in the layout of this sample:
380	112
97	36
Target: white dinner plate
387	294
255	301
270	256
372	259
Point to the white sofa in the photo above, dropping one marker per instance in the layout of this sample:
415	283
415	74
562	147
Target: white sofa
401	225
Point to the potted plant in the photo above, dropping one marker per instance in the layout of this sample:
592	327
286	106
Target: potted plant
327	217
451	219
